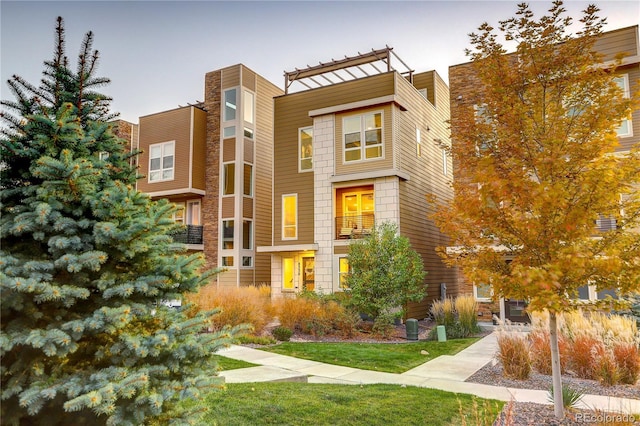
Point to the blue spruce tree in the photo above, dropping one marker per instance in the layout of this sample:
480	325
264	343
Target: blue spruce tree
85	262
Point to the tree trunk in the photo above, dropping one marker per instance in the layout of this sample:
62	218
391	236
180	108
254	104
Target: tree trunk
555	366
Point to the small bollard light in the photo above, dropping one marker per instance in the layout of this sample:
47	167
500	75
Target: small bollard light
442	333
412	329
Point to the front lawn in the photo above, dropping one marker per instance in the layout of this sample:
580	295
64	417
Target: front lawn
387	357
349	405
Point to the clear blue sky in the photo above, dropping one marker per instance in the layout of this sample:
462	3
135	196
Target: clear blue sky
157	52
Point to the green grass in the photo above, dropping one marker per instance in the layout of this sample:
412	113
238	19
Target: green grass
320	404
387	357
226	364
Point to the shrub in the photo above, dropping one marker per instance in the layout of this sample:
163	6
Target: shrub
466	308
282	334
513	353
570	396
605	368
443	312
317	316
581	356
627	358
540	348
239	305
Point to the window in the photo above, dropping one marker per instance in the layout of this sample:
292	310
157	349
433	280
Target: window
227	234
247	261
290	217
625	129
229	132
423	92
161	162
343	271
418	143
193	212
248	133
247	106
247	234
287	273
178	216
482	292
247	182
227	260
229	179
230	104
305	146
362	137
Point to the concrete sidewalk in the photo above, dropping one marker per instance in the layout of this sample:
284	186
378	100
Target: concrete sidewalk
447	372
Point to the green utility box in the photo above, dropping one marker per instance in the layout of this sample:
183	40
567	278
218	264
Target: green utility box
412	329
442	333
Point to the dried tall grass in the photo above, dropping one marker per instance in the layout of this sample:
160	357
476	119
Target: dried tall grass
467	311
513	353
239	305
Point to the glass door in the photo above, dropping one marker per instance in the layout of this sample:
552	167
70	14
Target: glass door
308	274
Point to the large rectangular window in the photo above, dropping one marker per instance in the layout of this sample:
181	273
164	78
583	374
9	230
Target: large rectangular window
230	104
229	179
247	182
305	148
161	161
362	135
290	217
343	271
625	130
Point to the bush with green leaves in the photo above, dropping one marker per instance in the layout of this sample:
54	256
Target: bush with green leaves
283	334
85	264
385	274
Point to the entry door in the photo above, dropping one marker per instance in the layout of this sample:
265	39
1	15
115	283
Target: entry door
287	273
308	264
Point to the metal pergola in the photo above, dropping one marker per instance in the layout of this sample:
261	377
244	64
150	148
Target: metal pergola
349	68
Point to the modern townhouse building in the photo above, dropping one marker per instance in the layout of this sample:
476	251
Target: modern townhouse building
462	80
362	144
215	159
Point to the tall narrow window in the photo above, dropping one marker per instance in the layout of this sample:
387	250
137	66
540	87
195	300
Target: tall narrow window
343	271
227	234
625	130
193	212
247	106
229	184
247	234
161	161
290	217
230	103
248	180
305	146
362	137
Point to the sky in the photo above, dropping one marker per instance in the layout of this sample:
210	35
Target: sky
156	53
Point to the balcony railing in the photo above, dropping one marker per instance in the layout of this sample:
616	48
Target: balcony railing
349	227
606	224
190	234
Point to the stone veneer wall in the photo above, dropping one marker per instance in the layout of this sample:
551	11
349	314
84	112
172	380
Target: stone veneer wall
212	94
323	169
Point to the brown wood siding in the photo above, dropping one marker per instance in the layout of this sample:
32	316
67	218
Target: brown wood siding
387	160
228	207
247	207
612	43
248	151
228	149
173	125
425	80
246	277
263	176
426	177
228	278
341	249
199	148
249	79
230	77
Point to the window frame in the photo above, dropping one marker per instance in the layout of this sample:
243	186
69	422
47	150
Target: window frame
482	299
301	169
363	147
626	93
294	226
244	180
225	175
227	106
162	169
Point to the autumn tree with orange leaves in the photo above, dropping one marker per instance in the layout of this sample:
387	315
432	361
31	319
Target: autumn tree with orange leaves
537	162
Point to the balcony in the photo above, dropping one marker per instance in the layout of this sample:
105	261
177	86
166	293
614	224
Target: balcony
606	224
353	227
190	234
